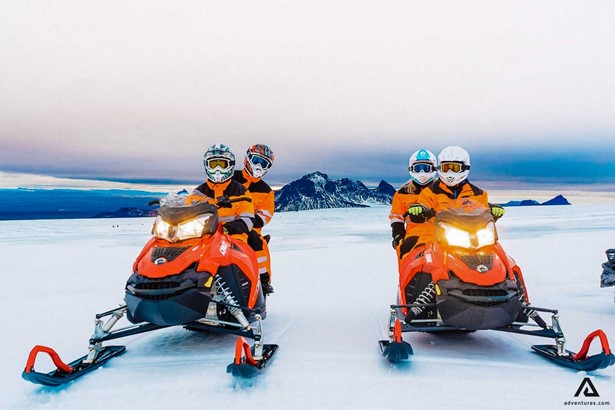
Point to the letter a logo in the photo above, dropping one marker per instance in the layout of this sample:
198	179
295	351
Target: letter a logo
589	391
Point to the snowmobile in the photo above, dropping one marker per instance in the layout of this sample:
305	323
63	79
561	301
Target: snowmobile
191	274
608	270
464	281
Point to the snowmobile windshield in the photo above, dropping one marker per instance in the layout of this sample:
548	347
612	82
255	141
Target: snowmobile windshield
177	208
181	217
467	224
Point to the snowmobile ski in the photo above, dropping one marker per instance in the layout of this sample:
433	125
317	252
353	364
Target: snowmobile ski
396	350
66	372
580	361
246	363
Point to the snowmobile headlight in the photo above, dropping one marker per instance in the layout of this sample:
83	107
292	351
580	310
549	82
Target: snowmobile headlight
486	236
192	228
161	229
456	237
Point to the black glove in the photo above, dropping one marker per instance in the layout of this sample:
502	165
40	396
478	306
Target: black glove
235	227
259	222
224	202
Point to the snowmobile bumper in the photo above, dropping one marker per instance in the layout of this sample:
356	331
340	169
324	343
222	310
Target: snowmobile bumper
467	306
174	300
66	372
166	307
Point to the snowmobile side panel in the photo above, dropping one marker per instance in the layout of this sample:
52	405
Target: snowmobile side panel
78	368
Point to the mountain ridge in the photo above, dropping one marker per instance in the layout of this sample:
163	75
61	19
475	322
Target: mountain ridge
317	191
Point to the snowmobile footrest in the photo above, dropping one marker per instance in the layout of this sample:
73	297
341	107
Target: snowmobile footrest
66	372
395	352
245	365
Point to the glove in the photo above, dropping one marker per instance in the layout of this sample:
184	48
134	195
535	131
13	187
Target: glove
224	202
397	240
416	209
497	211
235	227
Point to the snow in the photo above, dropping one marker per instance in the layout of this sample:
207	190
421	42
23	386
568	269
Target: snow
334	276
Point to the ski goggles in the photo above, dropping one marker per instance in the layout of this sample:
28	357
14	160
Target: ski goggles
422	167
453	167
218	162
258	160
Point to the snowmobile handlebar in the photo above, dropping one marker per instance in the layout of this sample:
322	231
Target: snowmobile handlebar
424	216
225	201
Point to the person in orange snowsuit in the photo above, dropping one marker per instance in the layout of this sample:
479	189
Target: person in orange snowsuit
422	168
258	160
220	188
452	185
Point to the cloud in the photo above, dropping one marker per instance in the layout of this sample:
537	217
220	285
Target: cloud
139	89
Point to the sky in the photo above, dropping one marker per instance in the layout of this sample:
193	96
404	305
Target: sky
136	91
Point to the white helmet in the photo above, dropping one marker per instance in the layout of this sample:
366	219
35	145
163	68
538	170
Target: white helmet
422	167
454	165
219	162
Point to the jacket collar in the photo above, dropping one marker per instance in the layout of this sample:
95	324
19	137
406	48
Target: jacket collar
248	177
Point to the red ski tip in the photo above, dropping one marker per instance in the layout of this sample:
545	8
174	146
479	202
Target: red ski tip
54	357
243	352
588	341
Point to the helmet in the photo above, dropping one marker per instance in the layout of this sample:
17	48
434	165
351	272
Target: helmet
219	162
259	158
422	167
454	165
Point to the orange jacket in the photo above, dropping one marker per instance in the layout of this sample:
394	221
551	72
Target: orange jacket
239	218
405	196
262	198
439	196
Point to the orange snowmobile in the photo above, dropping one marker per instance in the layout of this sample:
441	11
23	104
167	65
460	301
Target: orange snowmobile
190	274
464	281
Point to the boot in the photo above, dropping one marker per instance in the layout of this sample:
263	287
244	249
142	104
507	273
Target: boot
267	288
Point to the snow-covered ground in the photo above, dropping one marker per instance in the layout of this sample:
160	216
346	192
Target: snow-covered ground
334	276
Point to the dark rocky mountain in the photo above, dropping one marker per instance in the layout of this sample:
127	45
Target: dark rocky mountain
558	200
386	188
317	191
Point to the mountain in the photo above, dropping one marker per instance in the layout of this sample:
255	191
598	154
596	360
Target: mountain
386	188
317	191
558	200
